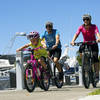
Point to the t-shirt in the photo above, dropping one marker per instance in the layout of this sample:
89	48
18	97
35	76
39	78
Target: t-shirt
51	38
39	52
88	35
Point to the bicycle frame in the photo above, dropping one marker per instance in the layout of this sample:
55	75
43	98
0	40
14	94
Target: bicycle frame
86	49
35	74
88	52
33	61
52	66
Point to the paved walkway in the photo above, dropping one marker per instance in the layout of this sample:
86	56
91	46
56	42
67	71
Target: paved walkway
95	97
65	93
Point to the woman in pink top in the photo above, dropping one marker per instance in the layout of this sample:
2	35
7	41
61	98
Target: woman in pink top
89	32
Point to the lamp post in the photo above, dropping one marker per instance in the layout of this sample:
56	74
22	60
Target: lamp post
9	46
20	34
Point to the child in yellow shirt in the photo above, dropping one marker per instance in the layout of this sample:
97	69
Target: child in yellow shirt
35	42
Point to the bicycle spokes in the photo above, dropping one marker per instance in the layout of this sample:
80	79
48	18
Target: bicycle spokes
29	78
29	73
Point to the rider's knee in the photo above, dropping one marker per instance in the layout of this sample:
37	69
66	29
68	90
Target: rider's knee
55	61
39	60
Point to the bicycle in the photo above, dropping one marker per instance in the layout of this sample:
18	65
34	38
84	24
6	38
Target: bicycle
53	73
88	69
35	73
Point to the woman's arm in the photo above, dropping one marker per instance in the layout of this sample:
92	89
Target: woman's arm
98	36
74	38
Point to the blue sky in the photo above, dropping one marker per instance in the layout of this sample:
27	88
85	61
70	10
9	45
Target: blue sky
28	15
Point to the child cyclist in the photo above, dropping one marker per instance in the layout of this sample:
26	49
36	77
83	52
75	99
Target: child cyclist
35	42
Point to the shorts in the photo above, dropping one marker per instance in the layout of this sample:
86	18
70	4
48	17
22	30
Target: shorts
55	53
95	51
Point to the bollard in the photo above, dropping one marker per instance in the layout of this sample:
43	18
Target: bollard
80	76
19	71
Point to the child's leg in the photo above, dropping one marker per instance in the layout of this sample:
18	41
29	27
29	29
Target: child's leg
42	62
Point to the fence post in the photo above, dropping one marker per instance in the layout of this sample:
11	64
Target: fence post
80	76
19	71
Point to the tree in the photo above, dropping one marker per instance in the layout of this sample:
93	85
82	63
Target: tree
99	63
79	58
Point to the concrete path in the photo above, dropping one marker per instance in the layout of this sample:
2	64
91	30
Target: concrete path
65	93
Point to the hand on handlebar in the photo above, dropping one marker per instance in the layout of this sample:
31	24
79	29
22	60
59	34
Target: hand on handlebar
72	43
18	50
44	46
98	40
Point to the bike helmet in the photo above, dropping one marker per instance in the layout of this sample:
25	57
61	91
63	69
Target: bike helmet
50	24
33	35
85	16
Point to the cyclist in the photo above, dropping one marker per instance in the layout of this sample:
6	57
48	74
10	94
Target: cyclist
52	39
35	42
89	32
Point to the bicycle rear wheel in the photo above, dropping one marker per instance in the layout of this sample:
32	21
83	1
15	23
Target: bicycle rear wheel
85	71
29	78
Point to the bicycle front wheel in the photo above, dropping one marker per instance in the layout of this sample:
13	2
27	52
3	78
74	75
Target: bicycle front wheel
85	71
29	78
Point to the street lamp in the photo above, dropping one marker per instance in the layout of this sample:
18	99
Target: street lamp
9	46
20	34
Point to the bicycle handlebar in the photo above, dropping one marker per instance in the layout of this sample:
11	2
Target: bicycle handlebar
29	49
85	43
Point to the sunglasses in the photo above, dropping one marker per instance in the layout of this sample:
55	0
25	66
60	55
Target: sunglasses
86	19
30	37
48	26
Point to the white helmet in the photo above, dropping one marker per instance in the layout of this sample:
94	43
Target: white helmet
86	16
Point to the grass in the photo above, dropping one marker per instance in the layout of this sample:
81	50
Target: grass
96	92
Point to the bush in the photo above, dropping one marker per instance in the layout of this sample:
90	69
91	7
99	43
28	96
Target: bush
96	92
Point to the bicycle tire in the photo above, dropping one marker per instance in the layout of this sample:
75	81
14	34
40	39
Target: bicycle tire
85	71
93	77
29	80
45	80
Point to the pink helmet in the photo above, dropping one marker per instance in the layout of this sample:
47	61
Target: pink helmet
33	35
